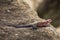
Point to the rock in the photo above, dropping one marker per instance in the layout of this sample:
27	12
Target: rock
18	12
44	33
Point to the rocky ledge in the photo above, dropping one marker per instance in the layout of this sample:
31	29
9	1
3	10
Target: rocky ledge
12	33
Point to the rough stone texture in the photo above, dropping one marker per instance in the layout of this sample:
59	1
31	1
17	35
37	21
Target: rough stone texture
18	12
11	33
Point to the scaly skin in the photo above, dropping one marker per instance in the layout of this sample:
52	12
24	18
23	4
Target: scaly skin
44	24
34	25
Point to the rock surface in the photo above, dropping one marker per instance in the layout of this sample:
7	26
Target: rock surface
18	12
11	33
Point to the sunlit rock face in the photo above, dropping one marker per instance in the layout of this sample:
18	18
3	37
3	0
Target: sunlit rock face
34	4
11	33
17	12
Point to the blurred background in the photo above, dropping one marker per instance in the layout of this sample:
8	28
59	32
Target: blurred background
50	9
